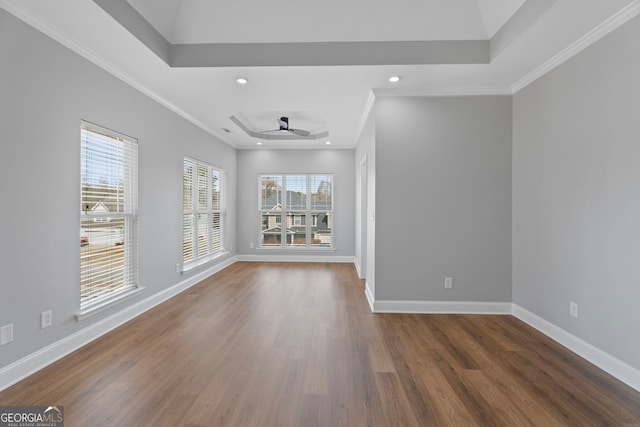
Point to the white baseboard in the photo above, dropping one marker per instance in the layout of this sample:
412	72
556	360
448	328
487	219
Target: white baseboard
610	364
32	363
369	294
295	258
356	264
445	307
617	368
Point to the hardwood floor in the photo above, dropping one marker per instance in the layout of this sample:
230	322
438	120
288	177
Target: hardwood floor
293	344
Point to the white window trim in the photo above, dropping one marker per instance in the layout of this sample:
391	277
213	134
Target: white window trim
117	298
308	212
131	223
185	266
296	248
191	265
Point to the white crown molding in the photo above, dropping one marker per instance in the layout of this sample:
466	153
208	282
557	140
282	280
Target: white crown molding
444	92
368	107
617	20
33	362
88	54
619	369
443	307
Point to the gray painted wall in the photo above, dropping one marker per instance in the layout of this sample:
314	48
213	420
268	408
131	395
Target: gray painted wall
576	181
45	90
443	198
252	163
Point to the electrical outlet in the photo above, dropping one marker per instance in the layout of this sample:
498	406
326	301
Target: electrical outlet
46	319
573	309
6	334
448	282
251	245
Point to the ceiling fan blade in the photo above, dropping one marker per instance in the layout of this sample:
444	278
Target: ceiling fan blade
300	132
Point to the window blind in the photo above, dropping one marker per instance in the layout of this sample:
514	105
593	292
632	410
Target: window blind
203	211
108	214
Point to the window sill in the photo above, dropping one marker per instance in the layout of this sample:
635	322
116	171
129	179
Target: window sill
95	309
295	249
200	262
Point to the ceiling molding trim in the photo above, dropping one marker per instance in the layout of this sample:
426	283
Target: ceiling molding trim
368	107
444	92
92	57
622	17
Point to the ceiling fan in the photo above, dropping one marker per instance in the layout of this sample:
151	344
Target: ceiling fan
283	122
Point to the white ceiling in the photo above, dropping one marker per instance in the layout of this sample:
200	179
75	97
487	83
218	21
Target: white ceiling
541	34
197	21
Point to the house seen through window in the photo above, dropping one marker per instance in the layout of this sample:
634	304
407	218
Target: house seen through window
203	219
108	214
305	202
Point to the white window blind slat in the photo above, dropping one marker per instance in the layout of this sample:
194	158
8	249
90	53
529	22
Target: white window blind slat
108	221
203	211
187	234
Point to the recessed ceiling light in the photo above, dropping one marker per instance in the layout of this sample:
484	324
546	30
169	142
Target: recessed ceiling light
259	143
394	79
242	80
328	142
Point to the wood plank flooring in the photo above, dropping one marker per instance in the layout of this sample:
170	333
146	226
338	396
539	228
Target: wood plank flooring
295	344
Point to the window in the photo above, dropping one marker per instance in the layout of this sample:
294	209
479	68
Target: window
108	215
203	213
297	197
